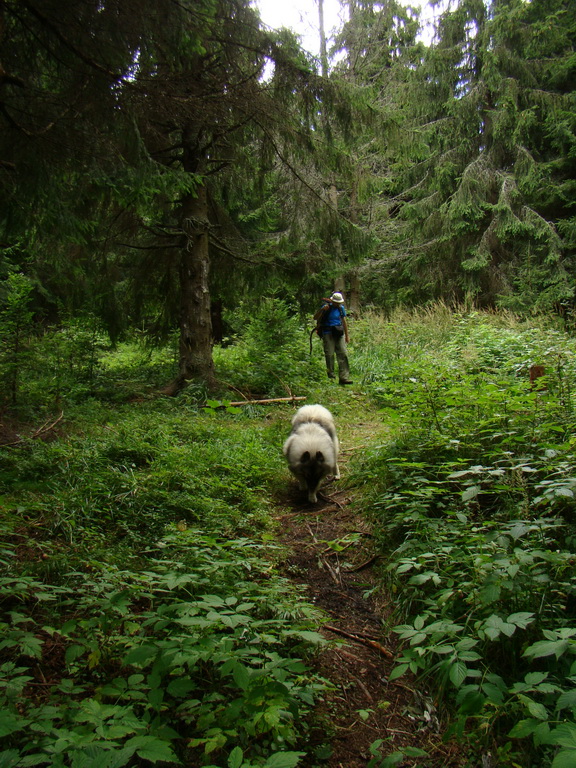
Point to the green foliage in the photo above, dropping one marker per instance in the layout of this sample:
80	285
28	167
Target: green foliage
141	616
478	200
15	330
99	205
135	366
66	364
141	471
472	501
208	663
395	758
71	355
272	356
43	368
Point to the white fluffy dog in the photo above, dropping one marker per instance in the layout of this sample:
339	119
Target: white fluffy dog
312	448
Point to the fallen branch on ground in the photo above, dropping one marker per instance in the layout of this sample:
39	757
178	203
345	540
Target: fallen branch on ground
47	426
325	497
362	565
359	639
334	572
264	402
40	432
314	539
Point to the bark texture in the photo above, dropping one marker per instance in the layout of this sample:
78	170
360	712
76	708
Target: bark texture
195	347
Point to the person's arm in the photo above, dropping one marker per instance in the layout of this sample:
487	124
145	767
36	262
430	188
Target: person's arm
345	326
321	312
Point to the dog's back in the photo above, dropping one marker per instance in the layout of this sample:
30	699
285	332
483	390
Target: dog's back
316	414
312	448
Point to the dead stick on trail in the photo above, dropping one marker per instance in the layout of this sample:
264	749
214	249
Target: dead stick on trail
314	539
47	426
264	402
334	501
334	572
362	565
358	639
40	432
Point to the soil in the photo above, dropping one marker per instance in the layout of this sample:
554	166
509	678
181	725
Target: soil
363	706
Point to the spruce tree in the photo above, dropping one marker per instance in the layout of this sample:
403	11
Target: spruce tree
126	123
487	196
379	55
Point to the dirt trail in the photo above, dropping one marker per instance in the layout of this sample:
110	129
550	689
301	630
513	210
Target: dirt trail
363	706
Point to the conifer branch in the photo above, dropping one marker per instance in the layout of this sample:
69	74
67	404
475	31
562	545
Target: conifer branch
300	178
215	241
115	76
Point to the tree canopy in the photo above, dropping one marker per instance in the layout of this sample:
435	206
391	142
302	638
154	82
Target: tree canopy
160	160
482	174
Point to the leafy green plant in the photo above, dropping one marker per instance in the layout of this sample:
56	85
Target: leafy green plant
472	506
141	615
395	758
142	618
226	668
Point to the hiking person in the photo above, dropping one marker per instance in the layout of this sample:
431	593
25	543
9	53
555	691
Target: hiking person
333	330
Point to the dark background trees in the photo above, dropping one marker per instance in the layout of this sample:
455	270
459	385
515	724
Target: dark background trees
483	174
162	160
125	153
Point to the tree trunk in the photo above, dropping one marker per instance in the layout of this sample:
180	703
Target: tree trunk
195	346
354	297
216	308
340	285
353	276
323	52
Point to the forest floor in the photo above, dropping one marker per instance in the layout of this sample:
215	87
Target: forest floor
329	553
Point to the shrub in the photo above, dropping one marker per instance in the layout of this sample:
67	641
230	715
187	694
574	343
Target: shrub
272	356
142	619
472	502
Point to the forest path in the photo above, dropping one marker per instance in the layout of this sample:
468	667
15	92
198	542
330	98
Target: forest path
330	555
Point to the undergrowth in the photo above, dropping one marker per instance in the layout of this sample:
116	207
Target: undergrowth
143	620
473	506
